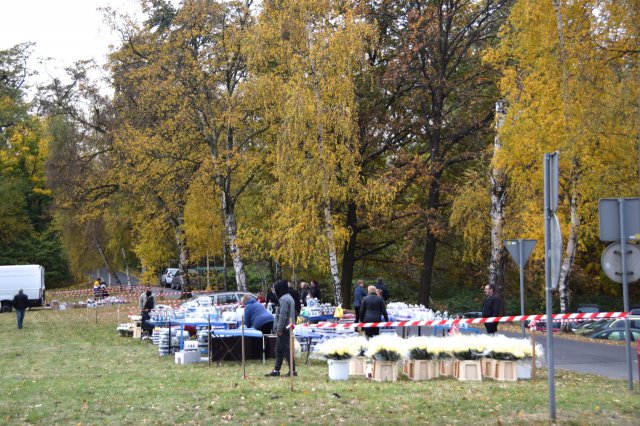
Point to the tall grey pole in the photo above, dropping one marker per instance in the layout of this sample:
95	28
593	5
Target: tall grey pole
521	266
625	291
549	293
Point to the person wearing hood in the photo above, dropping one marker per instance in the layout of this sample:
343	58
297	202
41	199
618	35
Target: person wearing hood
284	317
256	315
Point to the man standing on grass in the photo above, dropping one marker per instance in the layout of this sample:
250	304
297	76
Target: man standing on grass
284	317
20	304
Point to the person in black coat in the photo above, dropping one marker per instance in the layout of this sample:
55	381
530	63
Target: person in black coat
491	307
315	290
149	304
372	309
273	299
380	285
20	304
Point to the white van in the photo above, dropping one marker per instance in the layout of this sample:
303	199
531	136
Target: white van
29	278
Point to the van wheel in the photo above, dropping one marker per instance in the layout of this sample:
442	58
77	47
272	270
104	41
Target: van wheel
6	307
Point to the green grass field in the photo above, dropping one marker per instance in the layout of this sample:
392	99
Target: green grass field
71	367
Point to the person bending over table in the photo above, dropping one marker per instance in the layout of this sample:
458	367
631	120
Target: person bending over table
256	315
371	309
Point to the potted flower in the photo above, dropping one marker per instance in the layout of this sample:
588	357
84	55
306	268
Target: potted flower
467	350
507	351
358	363
337	352
448	362
423	358
386	351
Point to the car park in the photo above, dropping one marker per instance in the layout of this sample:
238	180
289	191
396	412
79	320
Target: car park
615	333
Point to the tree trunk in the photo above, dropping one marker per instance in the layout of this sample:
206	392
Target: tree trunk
106	264
232	229
328	217
567	263
498	261
276	270
431	241
570	253
183	253
333	257
349	256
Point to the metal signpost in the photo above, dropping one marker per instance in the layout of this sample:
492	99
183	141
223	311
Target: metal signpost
620	221
552	257
520	250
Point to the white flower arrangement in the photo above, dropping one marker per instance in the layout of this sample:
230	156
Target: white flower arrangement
359	344
510	349
423	348
338	348
464	347
386	348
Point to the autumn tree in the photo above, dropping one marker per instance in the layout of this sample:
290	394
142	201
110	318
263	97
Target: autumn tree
28	232
184	75
452	100
568	89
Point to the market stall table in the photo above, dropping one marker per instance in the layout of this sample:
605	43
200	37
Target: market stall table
226	345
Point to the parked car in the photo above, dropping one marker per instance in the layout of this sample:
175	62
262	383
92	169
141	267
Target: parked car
178	282
167	276
219	298
590	326
588	308
633	323
615	333
542	326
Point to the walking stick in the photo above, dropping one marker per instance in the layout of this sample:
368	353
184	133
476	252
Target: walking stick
244	371
291	349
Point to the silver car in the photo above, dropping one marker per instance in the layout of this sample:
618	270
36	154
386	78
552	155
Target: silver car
218	298
167	276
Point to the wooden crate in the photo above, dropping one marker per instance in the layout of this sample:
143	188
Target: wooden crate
357	366
506	371
423	369
448	367
488	367
469	370
385	371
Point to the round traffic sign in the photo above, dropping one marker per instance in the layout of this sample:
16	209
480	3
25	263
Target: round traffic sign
612	262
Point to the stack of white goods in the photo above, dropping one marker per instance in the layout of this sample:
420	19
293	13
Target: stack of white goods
203	342
155	336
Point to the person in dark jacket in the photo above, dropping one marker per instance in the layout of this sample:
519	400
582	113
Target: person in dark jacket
359	294
296	298
284	317
380	285
315	290
149	304
491	307
371	310
20	304
273	299
256	315
304	292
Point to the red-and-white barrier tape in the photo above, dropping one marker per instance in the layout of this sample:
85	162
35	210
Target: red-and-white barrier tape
516	318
